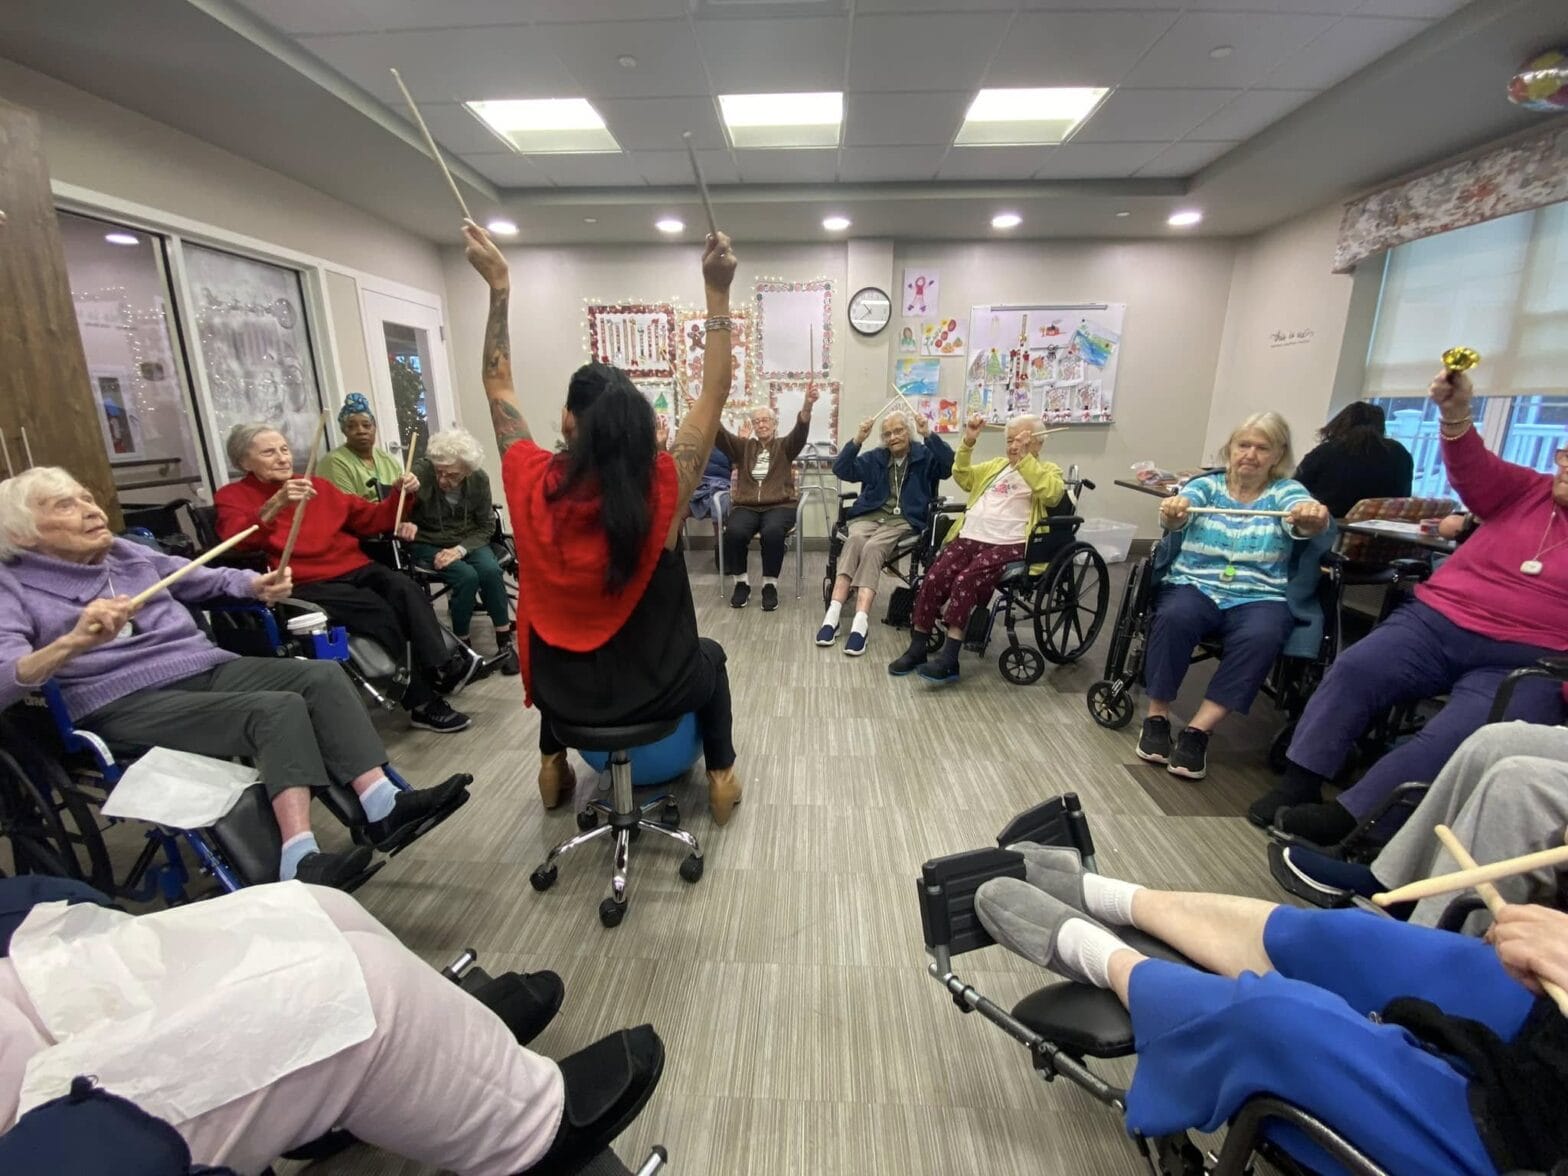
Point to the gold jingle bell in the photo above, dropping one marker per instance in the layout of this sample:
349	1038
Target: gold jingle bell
1461	359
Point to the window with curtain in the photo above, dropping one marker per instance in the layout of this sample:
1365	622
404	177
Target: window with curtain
1502	288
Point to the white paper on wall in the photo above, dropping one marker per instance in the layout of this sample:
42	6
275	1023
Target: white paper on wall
792	320
789	396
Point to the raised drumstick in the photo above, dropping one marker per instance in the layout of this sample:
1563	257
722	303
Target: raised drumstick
431	143
299	511
702	184
205	557
408	464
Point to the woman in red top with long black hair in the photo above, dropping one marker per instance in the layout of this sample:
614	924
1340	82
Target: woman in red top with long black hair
607	632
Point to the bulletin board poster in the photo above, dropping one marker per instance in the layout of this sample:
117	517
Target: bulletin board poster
787	397
638	338
794	328
661	397
1057	362
693	345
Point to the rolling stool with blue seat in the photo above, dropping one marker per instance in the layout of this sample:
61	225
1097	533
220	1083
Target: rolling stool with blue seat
648	743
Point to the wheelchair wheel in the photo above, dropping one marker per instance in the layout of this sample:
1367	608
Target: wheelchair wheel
1128	618
1111	710
1070	604
1021	665
49	821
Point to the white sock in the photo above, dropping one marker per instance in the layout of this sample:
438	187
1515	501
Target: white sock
861	624
835	607
1087	949
766	580
1109	899
739	580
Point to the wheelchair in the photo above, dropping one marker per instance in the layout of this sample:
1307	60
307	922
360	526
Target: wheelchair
1064	1023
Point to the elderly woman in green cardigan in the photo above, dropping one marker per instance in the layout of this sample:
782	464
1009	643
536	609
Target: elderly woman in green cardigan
357	466
454	515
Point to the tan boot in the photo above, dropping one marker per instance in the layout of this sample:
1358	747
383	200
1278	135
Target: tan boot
723	794
556	779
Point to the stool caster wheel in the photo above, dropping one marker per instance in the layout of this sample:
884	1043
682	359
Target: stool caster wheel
587	819
691	868
543	878
670	815
611	912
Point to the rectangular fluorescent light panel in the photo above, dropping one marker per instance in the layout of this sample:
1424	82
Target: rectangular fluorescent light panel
1021	118
783	120
546	126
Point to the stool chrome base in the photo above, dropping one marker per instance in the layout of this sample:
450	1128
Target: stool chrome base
625	819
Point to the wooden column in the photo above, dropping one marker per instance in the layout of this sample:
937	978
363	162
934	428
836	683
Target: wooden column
43	370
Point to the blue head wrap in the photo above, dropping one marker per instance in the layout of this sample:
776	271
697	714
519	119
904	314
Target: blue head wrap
353	403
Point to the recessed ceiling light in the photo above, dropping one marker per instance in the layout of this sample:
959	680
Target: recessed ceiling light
1006	220
590	220
122	239
835	224
783	120
669	224
1026	117
1184	218
1220	51
502	228
1123	212
626	61
545	126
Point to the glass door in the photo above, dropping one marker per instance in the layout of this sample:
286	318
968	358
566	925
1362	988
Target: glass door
408	368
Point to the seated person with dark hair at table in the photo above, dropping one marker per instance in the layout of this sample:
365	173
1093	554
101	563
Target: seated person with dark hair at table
359	466
330	569
607	627
1354	460
1428	1051
764	498
455	516
329	1023
135	676
1498	603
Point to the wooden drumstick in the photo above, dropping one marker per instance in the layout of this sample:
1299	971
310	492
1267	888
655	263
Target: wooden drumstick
1466	878
431	143
408	464
702	184
1048	432
205	557
1222	510
299	511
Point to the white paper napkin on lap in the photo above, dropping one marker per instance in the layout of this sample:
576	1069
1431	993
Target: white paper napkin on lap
179	789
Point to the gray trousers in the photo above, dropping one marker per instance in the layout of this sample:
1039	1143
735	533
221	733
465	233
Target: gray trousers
300	722
1503	793
866	549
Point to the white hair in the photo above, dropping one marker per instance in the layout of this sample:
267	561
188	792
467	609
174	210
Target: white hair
901	415
241	437
20	498
764	408
455	447
1013	425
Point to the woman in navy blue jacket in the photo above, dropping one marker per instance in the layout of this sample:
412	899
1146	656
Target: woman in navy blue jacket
898	483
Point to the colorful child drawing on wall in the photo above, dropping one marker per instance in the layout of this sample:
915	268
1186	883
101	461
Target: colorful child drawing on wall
947	416
906	341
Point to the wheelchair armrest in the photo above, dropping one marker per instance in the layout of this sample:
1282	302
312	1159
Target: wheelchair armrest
1554	668
1410	570
1051	522
947	898
1245	1136
1459	910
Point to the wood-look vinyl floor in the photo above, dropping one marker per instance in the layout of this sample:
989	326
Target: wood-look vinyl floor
789	985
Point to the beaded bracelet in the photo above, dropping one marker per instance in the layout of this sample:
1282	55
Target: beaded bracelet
719	322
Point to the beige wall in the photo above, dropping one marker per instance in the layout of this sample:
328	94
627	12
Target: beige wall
1283	284
348	331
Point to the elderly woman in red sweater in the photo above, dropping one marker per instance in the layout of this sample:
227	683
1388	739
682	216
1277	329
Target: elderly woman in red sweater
1499	603
329	568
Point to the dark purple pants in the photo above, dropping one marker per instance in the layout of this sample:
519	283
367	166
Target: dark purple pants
1416	653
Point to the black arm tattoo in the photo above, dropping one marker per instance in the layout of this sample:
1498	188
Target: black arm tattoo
505	417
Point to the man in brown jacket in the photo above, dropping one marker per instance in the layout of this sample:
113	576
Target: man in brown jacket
764	497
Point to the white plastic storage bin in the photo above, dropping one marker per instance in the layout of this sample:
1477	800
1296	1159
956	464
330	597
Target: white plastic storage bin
1111	539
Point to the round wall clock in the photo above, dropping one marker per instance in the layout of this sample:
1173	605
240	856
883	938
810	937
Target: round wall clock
870	310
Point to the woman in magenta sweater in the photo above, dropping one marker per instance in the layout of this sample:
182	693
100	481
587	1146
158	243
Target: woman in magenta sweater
1499	603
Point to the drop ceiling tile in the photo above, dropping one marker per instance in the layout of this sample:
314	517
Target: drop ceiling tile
1249	113
1286	7
1094	161
1145	116
455	129
935	52
1355	42
1427	9
1184	159
589	171
665	169
812	166
655	124
583	10
449	65
359	16
991	163
891	120
1075	48
509	170
1260	42
774	56
863	165
1084	4
668	63
868	7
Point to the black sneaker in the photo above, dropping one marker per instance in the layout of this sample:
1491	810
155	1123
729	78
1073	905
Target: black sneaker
413	808
1190	759
910	660
506	662
1154	744
527	1002
438	715
770	597
607	1084
336	870
741	595
1321	824
457	673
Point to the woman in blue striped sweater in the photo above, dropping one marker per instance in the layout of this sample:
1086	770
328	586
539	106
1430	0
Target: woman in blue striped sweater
1228	580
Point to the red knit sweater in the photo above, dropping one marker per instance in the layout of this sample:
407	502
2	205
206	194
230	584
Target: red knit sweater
327	545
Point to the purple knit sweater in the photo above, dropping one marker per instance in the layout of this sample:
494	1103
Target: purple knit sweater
41	598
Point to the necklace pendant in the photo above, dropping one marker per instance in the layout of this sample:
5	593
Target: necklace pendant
1531	567
1229	573
898	510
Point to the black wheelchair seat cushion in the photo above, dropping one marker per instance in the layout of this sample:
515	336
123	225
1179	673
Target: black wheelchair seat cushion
1014	573
1086	1021
613	738
371	660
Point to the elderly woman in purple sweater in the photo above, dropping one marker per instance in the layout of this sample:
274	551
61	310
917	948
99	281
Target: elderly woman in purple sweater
149	674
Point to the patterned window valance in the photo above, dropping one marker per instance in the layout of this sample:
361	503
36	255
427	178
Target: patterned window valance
1515	177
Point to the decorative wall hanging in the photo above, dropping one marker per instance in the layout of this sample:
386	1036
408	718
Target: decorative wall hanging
917	377
920	292
908	340
662	397
1517	176
792	318
693	332
1057	362
788	397
943	337
637	337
